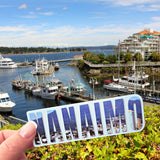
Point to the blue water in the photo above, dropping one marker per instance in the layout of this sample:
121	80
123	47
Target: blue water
25	102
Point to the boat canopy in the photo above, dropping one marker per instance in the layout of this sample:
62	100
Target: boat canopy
108	81
146	36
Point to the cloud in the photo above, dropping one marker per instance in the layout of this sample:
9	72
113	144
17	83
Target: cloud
156	18
129	2
47	13
23	6
65	8
12	29
31	15
38	8
148	8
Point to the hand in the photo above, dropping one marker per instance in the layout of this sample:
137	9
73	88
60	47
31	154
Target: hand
14	143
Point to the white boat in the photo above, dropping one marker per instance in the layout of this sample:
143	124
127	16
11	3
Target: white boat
36	91
117	87
54	82
56	67
75	87
138	80
7	63
47	92
42	67
6	104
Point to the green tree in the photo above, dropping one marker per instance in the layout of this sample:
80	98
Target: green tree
101	57
94	58
111	58
128	57
138	57
87	56
154	57
121	55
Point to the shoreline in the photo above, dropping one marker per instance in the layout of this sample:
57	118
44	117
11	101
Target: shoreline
40	53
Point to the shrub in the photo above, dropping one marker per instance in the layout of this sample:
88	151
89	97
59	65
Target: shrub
140	145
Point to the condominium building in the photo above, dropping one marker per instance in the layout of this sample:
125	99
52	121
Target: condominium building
144	42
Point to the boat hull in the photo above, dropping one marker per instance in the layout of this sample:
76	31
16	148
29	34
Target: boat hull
8	67
6	107
116	89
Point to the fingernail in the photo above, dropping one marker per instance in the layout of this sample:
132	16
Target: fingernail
28	129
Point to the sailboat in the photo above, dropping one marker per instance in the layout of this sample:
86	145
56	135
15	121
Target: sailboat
115	85
138	80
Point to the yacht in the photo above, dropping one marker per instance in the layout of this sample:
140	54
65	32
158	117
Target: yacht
116	87
138	80
7	63
6	104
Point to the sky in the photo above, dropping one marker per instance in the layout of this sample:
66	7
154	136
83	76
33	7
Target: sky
73	23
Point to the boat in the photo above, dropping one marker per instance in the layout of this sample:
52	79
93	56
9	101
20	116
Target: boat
55	82
42	67
47	92
7	63
6	104
139	80
19	84
56	67
75	87
116	87
36	91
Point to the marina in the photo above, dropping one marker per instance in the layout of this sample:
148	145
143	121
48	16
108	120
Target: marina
25	101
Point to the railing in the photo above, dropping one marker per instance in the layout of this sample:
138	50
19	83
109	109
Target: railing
143	64
12	120
2	123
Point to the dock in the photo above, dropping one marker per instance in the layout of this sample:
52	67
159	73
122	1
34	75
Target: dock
75	97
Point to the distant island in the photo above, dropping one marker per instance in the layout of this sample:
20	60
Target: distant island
27	50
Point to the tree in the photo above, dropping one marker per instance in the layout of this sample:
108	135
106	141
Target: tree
128	57
94	58
87	56
154	57
138	57
101	57
121	55
111	58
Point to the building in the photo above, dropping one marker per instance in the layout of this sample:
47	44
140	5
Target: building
144	42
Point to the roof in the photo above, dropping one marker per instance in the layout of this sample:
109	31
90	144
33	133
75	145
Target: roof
148	32
78	56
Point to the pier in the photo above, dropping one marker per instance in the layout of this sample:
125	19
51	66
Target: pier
62	60
75	97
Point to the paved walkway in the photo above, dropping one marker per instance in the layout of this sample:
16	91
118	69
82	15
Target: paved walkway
150	104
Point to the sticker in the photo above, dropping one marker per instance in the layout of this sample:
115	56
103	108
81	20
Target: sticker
86	120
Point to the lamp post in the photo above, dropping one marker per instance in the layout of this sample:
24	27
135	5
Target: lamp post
93	81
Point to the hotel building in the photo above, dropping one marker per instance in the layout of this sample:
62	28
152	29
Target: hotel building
144	42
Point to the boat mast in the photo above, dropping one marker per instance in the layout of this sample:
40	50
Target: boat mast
134	68
118	59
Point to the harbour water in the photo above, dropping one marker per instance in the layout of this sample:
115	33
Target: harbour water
25	102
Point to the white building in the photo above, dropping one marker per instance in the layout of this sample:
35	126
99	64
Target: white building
144	42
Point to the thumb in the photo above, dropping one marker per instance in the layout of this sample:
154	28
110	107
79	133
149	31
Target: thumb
15	145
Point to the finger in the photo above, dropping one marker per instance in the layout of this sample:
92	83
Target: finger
4	134
16	144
